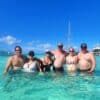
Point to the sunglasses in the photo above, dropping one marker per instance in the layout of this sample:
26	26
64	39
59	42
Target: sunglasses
17	50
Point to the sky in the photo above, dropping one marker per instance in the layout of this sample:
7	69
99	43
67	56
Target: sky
40	24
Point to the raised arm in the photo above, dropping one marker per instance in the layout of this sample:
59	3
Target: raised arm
8	65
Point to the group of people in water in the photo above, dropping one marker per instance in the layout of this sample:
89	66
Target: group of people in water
55	60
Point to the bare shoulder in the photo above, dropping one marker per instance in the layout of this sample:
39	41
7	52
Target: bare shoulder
11	58
53	52
42	59
67	57
91	53
79	54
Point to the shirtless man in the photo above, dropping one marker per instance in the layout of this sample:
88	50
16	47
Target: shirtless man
16	61
71	61
59	58
86	59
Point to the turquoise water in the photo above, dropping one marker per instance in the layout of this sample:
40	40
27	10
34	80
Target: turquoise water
49	86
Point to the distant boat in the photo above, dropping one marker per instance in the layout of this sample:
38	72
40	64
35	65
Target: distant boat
96	50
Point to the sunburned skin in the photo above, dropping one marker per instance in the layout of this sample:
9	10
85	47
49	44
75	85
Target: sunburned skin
71	63
86	61
17	62
59	58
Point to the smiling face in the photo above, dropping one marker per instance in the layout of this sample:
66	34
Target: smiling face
48	54
71	51
60	47
18	51
84	50
30	57
84	47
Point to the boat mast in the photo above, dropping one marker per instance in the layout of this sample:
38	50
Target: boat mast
68	35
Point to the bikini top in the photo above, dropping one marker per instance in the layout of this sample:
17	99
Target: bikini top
46	64
71	61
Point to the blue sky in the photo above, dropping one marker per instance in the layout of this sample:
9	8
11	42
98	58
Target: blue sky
40	24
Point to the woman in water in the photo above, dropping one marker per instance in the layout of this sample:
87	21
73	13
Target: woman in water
33	64
71	61
47	61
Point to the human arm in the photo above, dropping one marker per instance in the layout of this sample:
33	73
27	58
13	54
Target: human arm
8	65
93	61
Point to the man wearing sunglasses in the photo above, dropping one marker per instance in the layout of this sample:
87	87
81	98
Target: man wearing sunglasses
87	61
16	61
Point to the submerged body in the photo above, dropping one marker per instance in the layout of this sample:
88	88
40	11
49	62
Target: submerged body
71	62
59	59
47	62
86	59
16	61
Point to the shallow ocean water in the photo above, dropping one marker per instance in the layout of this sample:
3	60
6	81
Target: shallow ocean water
49	86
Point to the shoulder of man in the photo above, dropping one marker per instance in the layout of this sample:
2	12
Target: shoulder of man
24	57
10	58
91	53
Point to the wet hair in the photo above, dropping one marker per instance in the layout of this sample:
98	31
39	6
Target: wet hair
19	48
31	53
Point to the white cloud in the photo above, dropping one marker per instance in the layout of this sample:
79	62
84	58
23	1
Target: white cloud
10	40
38	47
45	46
32	43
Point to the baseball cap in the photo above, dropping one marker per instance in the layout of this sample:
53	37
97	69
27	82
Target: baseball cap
83	45
60	44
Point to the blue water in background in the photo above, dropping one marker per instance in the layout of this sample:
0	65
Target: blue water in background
49	86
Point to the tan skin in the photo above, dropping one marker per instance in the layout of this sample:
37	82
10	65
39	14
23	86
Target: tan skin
15	62
59	55
86	60
46	60
71	61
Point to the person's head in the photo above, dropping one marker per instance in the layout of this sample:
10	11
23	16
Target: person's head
31	55
48	53
60	46
71	51
18	50
83	47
